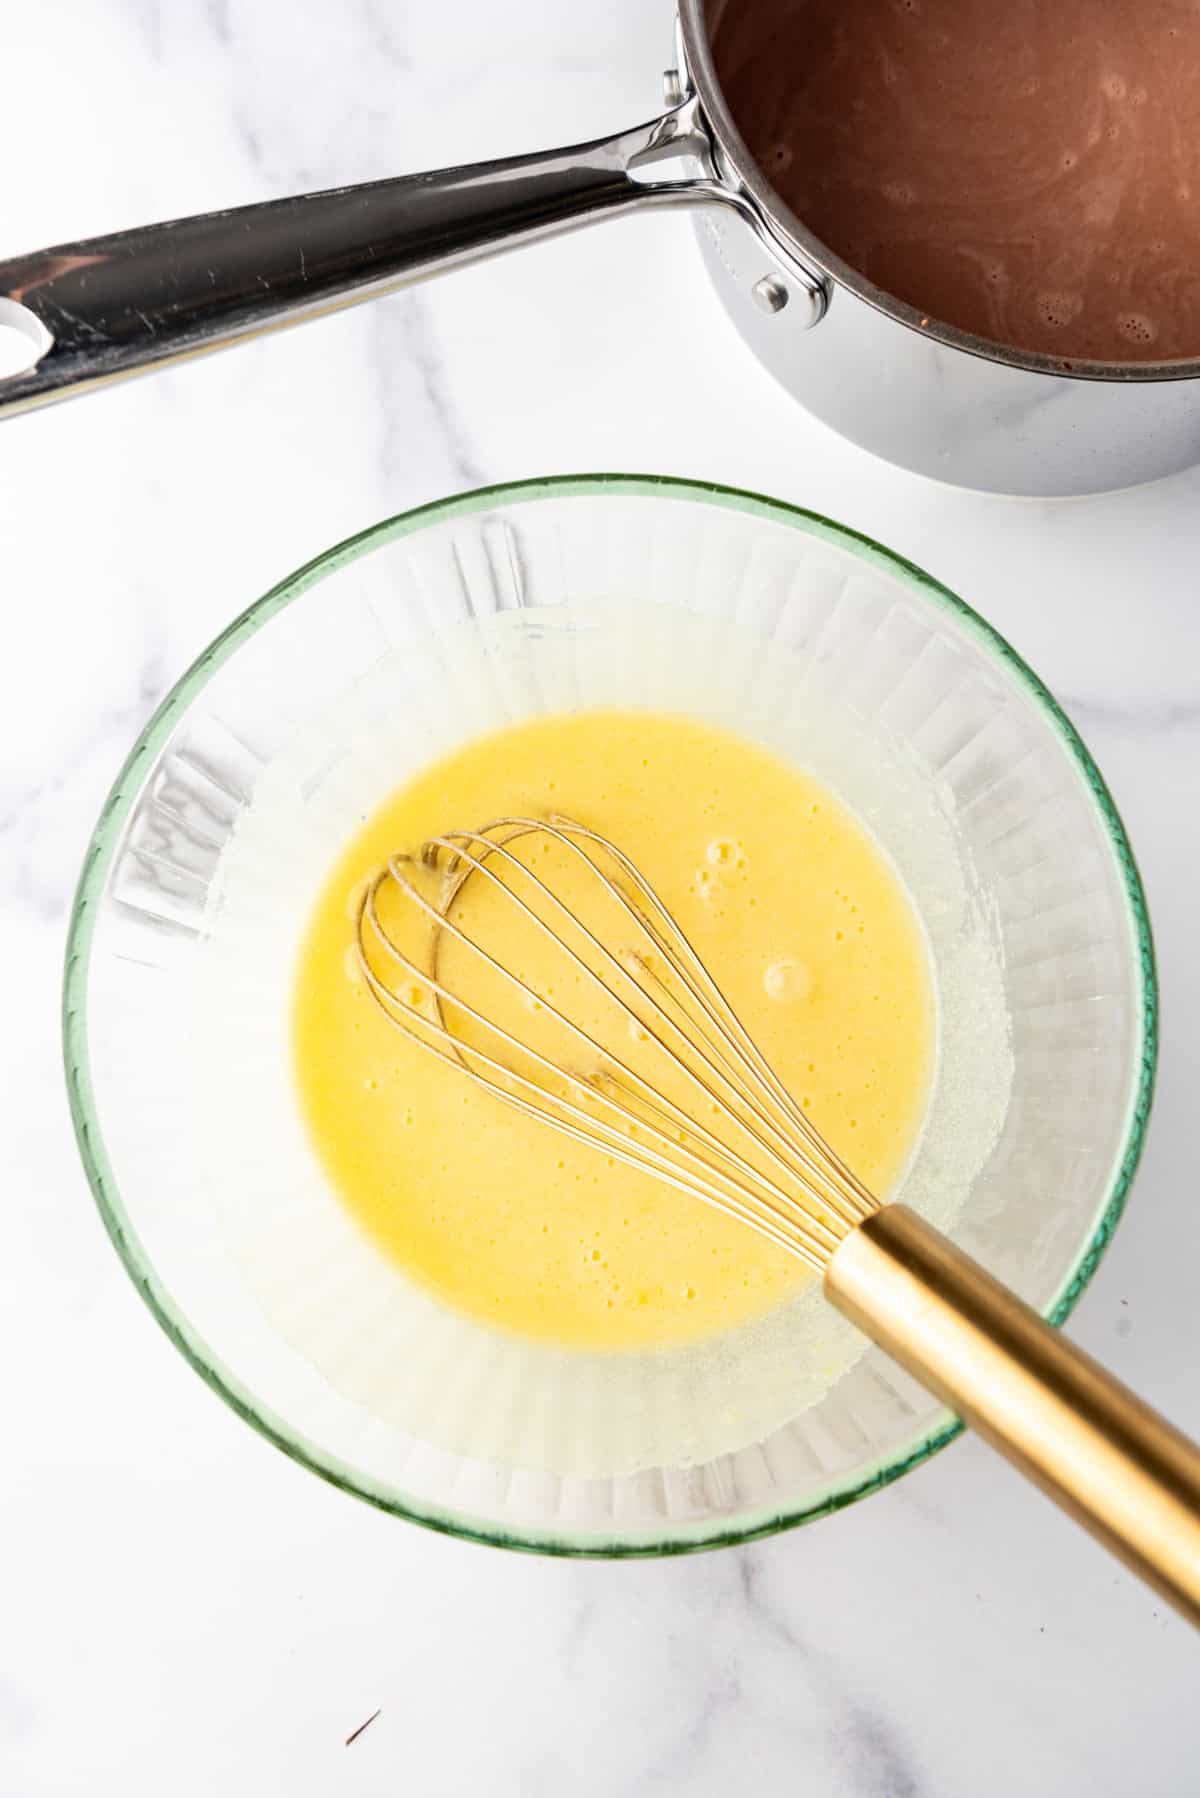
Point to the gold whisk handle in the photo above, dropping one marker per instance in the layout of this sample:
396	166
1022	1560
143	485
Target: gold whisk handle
1115	1465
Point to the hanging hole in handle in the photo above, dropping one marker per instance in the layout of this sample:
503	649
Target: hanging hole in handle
24	339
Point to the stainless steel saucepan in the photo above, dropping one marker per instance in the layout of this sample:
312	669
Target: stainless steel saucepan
923	395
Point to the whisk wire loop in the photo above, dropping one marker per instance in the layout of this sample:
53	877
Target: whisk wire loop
762	1162
778	1149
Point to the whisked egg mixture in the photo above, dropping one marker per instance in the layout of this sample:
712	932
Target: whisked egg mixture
808	930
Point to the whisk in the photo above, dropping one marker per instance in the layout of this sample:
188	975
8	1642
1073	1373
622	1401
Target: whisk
534	957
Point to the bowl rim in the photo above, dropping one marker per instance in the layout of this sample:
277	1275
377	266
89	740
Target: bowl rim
108	832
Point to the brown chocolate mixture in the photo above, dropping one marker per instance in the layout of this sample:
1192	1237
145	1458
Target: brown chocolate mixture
1028	170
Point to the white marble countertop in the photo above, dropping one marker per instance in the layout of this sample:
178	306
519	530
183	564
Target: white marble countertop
184	1610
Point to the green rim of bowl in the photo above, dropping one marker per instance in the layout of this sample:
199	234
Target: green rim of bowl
108	833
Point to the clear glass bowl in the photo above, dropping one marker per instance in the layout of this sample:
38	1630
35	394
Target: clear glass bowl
773	618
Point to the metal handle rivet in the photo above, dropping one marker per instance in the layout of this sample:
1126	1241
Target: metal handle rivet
770	293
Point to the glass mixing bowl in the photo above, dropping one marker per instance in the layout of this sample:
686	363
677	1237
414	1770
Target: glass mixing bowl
479	611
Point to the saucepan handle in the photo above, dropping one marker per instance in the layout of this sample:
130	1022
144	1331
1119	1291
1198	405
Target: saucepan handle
1100	1452
95	311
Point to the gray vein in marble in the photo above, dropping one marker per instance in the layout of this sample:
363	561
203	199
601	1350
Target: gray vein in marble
719	1700
148	19
718	1634
24	809
879	1760
421	350
681	1762
575	1634
380	18
248	138
357	129
18	1714
1112	714
218	17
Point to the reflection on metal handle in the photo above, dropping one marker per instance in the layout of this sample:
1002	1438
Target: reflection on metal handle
98	310
1121	1470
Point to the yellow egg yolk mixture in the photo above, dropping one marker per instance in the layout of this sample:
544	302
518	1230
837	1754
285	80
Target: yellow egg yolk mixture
808	931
